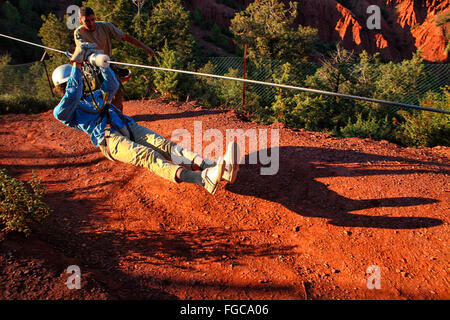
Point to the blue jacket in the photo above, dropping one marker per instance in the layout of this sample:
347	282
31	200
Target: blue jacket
71	108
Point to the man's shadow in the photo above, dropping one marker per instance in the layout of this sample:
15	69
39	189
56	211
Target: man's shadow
295	187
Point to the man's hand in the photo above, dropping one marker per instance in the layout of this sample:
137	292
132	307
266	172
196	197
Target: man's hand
76	65
138	44
82	52
150	52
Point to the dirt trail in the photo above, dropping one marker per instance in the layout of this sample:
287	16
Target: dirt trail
335	207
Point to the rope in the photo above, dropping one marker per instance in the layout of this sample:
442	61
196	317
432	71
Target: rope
398	104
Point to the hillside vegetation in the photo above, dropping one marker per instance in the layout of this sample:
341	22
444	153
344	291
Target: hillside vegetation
279	50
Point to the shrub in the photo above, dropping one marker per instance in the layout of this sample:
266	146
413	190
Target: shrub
167	83
25	104
21	210
371	128
216	34
197	16
428	129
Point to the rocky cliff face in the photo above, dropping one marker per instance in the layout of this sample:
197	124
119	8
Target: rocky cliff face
406	25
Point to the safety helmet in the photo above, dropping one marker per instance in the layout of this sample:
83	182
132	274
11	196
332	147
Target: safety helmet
61	74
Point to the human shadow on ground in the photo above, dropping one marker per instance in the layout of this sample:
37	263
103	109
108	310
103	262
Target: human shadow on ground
71	229
295	186
61	159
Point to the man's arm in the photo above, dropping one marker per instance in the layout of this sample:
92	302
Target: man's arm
137	43
110	84
65	110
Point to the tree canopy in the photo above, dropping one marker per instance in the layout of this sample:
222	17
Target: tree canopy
267	27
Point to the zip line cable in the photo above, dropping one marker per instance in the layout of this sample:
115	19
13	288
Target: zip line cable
283	86
31	43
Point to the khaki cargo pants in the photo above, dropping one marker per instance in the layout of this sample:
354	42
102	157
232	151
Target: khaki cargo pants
149	150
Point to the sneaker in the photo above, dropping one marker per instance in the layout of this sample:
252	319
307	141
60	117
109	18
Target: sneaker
231	162
212	176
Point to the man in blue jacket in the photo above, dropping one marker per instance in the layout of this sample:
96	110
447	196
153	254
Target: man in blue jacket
120	138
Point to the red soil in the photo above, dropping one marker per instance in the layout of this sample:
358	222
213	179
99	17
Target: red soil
336	207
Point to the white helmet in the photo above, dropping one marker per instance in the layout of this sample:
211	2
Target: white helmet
61	74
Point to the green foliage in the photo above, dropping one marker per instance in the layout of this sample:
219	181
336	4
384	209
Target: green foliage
22	103
216	34
206	88
230	92
170	22
197	16
55	34
371	128
325	112
26	10
103	9
21	209
221	92
401	81
428	129
19	22
122	15
42	86
167	83
23	80
345	73
5	59
284	103
10	12
266	27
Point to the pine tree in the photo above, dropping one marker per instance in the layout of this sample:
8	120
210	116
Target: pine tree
10	12
55	34
170	22
167	82
266	27
103	9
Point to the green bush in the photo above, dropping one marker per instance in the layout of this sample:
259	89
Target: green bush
197	16
371	128
21	206
168	83
25	104
428	129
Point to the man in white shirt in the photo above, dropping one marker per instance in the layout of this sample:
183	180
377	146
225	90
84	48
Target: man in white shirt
101	33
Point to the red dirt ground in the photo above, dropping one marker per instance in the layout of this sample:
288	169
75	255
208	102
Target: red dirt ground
336	207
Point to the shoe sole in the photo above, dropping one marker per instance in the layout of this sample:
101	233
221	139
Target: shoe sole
220	170
235	165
